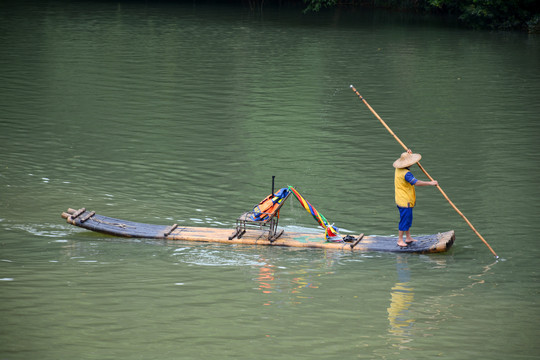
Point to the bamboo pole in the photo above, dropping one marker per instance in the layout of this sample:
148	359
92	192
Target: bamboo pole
425	172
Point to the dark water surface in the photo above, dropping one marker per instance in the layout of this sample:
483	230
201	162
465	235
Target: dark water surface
175	113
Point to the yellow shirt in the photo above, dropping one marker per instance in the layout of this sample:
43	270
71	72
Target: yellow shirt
405	193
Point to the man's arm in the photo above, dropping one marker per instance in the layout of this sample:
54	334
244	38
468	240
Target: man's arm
426	183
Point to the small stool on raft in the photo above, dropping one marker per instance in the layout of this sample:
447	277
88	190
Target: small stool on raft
271	221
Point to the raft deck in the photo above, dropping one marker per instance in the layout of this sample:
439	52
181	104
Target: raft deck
90	220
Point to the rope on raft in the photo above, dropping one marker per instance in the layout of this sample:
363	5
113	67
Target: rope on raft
331	232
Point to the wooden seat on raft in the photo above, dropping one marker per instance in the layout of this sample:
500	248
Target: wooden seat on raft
270	222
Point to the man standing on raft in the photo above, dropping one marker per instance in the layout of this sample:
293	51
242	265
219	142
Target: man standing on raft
404	183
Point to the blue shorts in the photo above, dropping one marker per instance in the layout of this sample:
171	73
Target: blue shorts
405	218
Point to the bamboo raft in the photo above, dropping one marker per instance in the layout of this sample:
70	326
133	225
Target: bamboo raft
253	236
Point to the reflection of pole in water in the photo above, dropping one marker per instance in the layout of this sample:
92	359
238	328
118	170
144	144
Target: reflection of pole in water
402	296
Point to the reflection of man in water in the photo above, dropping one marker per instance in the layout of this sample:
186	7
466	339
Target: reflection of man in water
402	294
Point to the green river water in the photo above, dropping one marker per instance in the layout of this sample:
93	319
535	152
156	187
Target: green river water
164	113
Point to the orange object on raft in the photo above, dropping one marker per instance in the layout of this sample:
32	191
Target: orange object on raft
90	220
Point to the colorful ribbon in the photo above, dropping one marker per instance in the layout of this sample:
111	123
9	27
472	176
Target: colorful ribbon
331	232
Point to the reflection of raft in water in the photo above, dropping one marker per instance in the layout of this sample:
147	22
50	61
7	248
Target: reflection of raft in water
252	236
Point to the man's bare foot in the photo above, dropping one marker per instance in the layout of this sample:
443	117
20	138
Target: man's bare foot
410	241
402	244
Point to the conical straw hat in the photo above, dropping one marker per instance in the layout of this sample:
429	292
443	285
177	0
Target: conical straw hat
406	160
